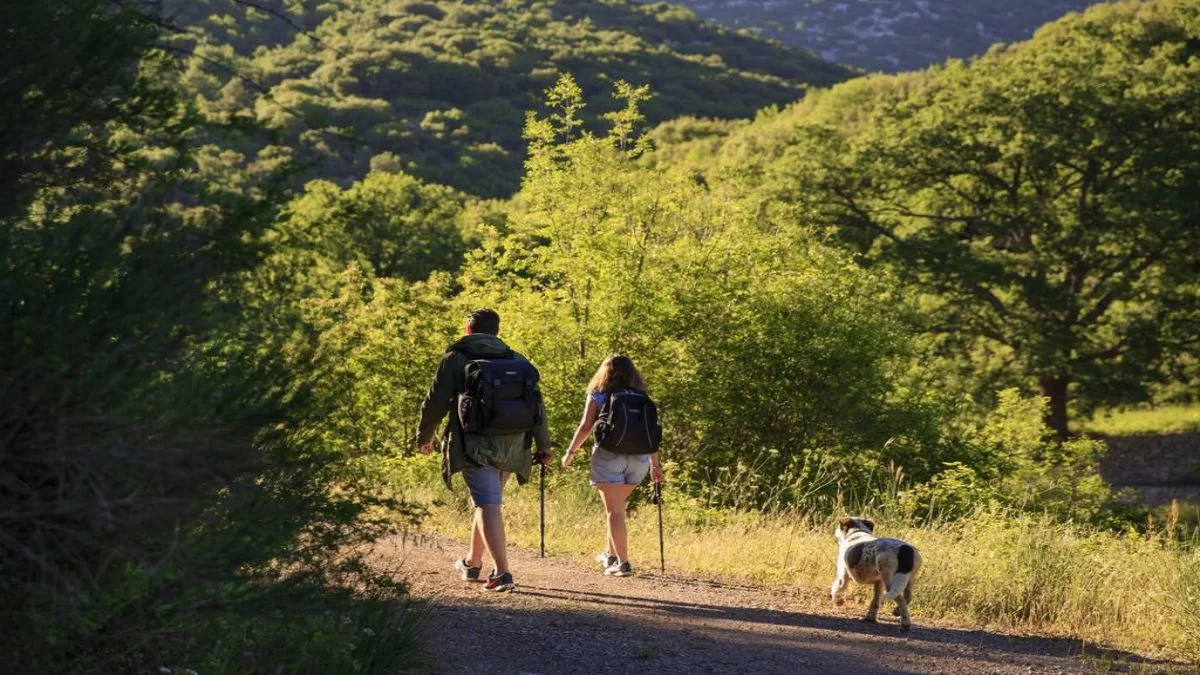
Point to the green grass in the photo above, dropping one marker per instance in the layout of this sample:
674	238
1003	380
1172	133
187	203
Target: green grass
993	569
1162	420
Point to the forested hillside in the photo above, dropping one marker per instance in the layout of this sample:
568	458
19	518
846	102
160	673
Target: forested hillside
888	35
236	238
440	88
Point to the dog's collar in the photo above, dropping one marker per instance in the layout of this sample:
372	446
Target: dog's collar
857	536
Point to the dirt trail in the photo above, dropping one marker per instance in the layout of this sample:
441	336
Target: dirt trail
568	618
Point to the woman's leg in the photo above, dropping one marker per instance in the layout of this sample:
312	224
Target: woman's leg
614	496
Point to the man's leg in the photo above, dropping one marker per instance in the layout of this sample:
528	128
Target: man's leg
487	532
491	528
491	520
487	526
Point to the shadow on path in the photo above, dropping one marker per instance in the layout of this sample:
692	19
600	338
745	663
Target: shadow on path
1001	647
561	620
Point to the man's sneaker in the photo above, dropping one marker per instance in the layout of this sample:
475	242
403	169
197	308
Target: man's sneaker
468	573
622	569
500	582
606	560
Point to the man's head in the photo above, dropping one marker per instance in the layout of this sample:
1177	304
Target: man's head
485	321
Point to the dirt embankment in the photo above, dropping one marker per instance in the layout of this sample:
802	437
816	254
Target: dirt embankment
568	618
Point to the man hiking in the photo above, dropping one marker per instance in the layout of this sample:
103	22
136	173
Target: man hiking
496	414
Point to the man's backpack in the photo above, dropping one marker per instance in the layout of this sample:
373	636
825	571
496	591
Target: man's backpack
501	396
628	424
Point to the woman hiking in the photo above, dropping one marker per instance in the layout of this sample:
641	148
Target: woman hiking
627	436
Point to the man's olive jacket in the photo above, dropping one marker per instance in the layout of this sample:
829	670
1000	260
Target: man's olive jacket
460	450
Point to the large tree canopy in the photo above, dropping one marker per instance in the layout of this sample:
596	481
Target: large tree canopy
1043	197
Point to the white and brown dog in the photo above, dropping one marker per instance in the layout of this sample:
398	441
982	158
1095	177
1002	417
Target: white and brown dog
889	564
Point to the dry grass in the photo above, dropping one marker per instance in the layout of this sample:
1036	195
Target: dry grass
989	570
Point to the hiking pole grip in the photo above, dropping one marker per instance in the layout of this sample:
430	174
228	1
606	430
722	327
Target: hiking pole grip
662	558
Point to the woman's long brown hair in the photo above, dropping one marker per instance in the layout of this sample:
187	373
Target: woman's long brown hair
616	373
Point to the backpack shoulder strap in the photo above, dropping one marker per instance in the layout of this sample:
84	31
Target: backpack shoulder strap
510	354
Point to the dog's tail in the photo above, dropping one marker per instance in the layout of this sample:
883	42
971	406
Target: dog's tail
906	560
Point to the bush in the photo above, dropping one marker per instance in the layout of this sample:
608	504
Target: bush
1019	463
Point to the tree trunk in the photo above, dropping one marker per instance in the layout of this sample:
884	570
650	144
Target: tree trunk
1055	389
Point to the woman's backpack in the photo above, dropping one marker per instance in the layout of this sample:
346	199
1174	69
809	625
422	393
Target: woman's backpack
628	424
501	396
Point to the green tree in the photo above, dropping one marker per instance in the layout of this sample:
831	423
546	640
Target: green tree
390	223
154	479
70	67
1044	196
370	368
753	335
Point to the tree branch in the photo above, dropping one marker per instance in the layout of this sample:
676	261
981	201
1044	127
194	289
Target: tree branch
1111	295
865	218
1116	350
990	298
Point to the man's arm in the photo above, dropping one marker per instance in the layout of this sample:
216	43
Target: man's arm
437	403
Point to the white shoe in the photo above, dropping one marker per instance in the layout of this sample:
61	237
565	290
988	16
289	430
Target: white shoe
619	569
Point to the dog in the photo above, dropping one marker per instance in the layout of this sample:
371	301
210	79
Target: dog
890	565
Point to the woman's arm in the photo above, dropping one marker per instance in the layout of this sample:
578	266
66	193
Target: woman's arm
656	472
590	412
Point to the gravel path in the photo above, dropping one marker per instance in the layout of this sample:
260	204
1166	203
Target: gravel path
568	618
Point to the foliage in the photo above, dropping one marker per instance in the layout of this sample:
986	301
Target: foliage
332	632
1038	198
389	223
719	306
70	68
375	341
443	85
600	253
159	503
1018	463
213	379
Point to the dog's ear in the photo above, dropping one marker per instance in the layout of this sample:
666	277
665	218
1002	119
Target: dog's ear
846	522
870	525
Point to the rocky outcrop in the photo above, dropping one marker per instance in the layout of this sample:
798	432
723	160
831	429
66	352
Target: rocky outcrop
1161	467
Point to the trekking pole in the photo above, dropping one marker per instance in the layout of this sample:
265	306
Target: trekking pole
542	467
662	559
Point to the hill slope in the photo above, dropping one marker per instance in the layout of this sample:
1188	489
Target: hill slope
889	35
444	85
